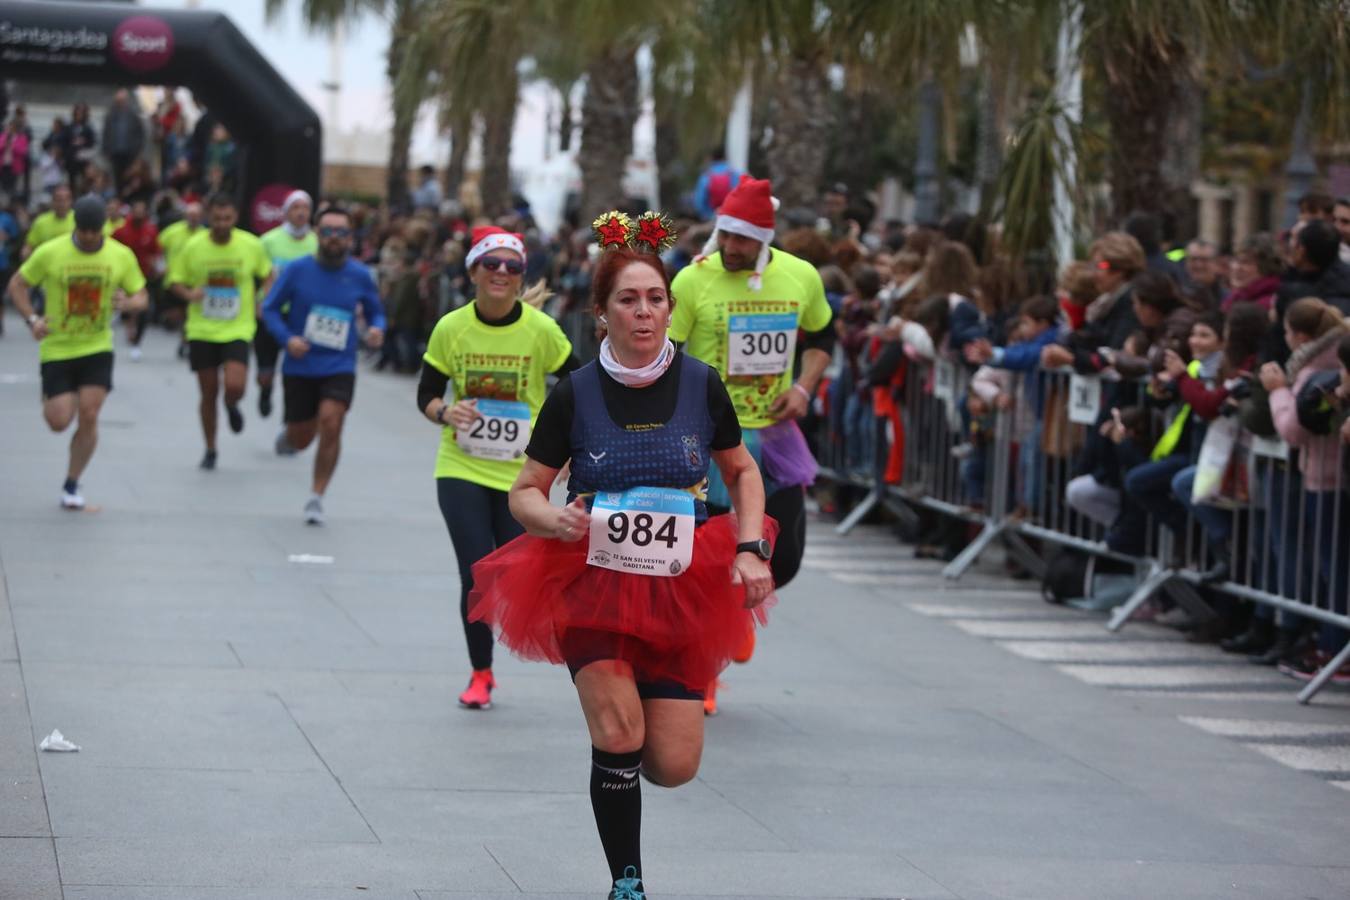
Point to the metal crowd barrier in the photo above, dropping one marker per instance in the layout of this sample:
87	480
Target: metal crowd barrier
1289	547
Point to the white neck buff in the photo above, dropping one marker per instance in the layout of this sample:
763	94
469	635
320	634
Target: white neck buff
636	377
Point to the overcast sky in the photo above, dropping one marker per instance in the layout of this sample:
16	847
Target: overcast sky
303	59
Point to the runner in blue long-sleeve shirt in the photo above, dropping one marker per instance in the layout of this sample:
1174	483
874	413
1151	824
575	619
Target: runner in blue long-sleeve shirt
311	311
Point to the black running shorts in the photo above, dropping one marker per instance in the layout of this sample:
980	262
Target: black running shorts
303	394
212	355
65	376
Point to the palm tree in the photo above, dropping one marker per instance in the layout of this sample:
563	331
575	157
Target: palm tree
1145	52
402	16
475	48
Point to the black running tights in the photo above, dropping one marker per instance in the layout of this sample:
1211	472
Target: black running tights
479	522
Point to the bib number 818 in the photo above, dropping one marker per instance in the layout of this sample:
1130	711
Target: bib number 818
764	343
641	530
495	429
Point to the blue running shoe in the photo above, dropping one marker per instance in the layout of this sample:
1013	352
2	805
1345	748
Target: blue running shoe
628	887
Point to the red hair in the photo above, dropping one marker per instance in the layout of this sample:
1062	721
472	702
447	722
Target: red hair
614	261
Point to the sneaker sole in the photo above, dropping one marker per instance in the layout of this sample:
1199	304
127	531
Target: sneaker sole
463	705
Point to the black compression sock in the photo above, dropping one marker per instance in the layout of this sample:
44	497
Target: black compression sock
70	486
616	797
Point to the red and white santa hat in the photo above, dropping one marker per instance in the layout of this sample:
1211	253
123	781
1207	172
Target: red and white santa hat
487	238
748	211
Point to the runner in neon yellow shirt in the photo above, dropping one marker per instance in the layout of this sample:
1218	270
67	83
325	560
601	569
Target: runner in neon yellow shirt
85	277
496	353
291	240
55	222
739	308
221	273
171	241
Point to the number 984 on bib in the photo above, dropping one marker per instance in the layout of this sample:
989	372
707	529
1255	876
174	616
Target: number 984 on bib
644	531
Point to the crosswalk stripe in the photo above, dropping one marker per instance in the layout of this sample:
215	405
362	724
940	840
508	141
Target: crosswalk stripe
1343	785
1308	759
1262	728
956	611
1039	630
1117	652
899	566
1164	676
1277	692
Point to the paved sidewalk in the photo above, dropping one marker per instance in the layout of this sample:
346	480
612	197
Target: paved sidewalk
258	728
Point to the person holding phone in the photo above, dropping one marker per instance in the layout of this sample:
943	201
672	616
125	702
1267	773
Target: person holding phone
496	351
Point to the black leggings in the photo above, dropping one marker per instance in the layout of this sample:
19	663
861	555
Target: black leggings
788	508
479	522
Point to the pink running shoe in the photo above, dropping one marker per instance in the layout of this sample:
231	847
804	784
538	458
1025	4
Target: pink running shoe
478	695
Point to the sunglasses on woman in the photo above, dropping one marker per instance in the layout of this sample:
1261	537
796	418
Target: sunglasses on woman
493	263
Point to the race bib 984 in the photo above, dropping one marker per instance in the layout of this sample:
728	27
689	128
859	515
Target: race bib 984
644	531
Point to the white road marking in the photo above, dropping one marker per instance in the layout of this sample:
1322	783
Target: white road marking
1308	759
1166	676
1264	728
1117	652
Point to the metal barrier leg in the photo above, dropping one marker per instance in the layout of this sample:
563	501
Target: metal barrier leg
1305	696
1021	551
856	514
1188	599
966	558
1156	579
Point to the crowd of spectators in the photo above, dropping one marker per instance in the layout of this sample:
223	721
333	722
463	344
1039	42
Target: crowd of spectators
1255	336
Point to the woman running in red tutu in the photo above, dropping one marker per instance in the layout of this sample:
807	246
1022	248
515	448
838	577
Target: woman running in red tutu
631	585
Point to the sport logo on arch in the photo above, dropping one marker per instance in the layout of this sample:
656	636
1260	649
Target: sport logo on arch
143	43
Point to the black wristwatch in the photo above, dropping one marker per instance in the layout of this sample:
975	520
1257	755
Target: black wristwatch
760	548
440	413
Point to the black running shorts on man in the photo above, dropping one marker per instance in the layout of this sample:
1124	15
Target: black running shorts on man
304	393
212	355
65	376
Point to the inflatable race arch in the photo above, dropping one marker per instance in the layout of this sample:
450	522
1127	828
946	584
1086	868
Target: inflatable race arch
278	134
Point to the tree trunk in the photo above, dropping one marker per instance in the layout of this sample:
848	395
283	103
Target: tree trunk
670	168
400	135
800	133
565	120
1143	87
607	117
499	121
461	134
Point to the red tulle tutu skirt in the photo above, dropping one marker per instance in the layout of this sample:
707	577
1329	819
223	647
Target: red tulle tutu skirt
545	603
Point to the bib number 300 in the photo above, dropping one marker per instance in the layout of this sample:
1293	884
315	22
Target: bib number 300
644	531
501	431
761	344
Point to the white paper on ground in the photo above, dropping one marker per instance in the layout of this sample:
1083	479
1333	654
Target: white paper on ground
56	743
310	559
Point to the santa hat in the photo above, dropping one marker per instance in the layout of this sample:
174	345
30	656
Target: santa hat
748	211
295	197
487	238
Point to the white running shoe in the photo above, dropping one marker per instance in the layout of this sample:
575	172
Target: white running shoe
71	500
314	511
135	354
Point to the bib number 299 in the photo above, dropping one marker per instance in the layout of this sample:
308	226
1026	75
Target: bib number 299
643	531
501	431
495	430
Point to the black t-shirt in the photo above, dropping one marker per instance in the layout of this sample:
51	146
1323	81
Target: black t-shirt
633	409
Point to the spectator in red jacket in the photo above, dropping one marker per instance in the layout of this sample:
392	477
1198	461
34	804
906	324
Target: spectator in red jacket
139	234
